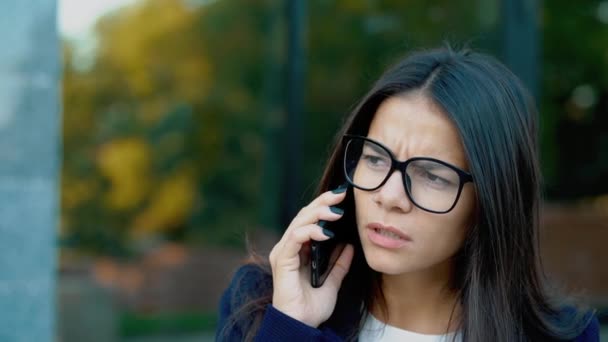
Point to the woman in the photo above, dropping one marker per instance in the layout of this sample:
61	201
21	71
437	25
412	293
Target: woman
443	200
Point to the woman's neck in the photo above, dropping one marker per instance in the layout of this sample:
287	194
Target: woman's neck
420	301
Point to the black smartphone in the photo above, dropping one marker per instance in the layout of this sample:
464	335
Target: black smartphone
324	254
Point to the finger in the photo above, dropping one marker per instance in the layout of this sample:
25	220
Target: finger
296	238
329	197
337	274
312	215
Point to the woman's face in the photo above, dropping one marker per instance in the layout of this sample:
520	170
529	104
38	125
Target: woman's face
412	126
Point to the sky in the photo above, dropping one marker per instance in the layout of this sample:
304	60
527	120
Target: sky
77	17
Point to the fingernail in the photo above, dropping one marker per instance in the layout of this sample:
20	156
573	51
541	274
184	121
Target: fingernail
328	233
336	210
339	190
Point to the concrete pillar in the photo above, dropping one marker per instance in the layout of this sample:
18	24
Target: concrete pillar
29	168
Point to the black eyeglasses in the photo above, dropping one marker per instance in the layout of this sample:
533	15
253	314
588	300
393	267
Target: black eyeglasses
431	184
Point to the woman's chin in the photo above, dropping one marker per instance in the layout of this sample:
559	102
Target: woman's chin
385	264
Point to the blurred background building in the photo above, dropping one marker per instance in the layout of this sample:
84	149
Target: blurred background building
182	118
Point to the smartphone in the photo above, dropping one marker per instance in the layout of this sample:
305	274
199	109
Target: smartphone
324	254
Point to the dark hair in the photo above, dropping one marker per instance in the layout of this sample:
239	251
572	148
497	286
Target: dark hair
501	286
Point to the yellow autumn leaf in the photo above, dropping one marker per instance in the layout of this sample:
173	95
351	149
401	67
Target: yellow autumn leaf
126	164
75	191
170	205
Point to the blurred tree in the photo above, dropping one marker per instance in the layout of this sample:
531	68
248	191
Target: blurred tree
175	130
161	133
128	128
575	98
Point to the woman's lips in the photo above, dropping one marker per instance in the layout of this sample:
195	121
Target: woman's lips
377	233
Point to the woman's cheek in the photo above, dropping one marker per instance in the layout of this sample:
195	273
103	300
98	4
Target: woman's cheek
441	244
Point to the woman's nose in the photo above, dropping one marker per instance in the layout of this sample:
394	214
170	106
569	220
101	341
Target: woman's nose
392	194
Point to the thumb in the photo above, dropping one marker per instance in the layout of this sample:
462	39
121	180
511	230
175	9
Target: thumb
340	269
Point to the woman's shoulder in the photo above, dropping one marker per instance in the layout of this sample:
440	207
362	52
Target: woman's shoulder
581	324
248	282
249	273
590	328
237	307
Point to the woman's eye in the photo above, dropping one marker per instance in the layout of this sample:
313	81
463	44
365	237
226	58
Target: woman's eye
436	179
430	177
373	160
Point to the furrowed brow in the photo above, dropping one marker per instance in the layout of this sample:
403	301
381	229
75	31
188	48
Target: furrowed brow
375	147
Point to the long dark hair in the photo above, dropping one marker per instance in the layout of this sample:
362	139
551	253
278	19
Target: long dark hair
501	286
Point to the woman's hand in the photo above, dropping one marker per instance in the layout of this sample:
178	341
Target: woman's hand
293	295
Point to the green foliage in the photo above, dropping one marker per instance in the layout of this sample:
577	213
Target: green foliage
136	324
575	99
175	131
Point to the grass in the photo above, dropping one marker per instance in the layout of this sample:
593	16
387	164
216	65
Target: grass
137	324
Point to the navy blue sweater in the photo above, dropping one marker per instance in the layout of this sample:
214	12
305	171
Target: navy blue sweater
250	282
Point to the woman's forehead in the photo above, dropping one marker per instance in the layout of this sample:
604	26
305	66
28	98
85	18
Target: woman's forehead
412	126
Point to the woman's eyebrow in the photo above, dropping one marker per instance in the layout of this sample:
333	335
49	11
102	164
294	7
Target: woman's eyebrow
375	147
429	165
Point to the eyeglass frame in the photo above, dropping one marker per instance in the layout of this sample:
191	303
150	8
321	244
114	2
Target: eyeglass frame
464	176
